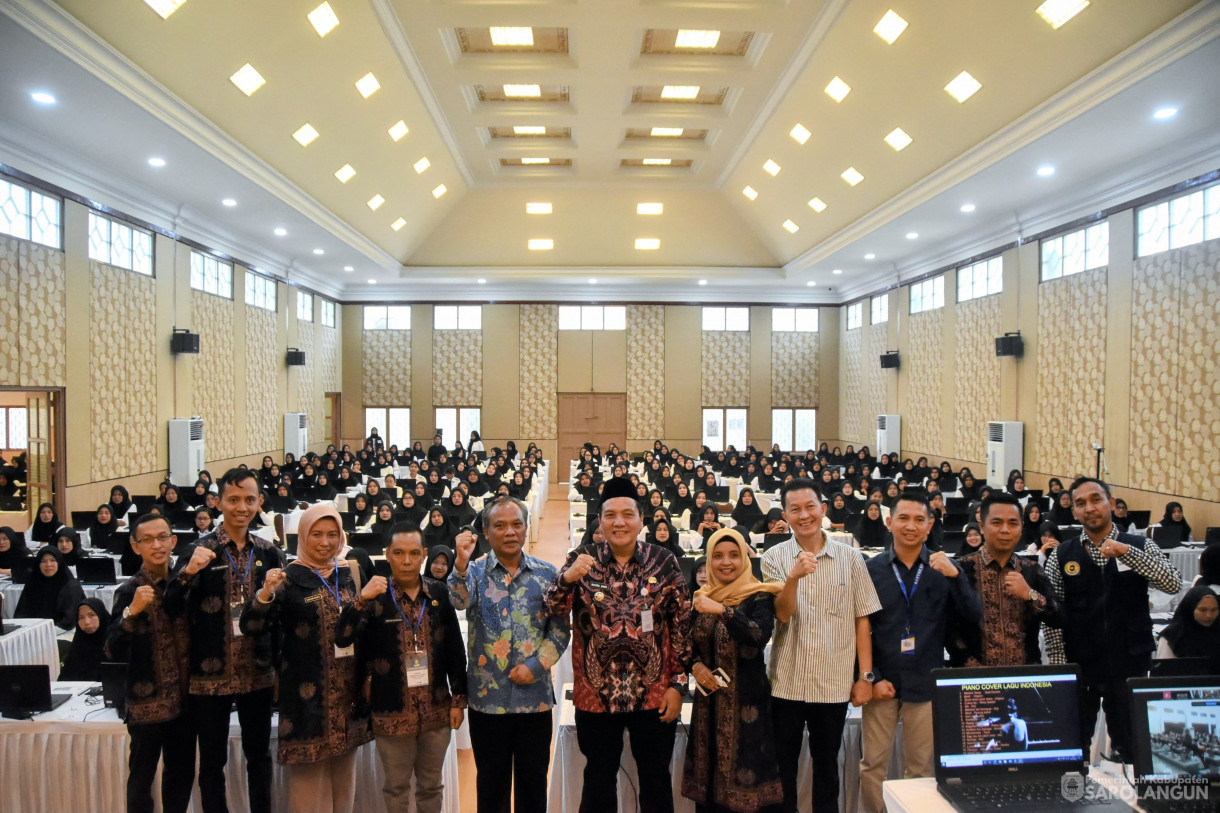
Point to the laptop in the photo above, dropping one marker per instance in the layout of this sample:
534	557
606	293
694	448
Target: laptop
26	690
96	570
1171	536
186	543
114	686
953	542
957	505
20	569
119	542
290	543
1139	519
81	519
1177	748
1010	737
370	543
771	540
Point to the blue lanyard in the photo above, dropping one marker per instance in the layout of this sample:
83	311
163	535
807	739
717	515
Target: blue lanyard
249	561
335	591
417	625
903	587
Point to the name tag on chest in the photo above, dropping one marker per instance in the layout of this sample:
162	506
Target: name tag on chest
348	651
646	621
417	670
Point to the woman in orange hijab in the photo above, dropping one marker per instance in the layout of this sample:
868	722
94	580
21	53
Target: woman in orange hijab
733	618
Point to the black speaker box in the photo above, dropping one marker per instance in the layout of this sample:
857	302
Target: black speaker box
1009	346
889	361
184	343
296	358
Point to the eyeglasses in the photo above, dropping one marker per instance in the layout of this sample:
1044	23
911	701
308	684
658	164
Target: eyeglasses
163	538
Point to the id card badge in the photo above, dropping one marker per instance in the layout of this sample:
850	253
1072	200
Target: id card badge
646	621
417	670
908	645
348	651
235	615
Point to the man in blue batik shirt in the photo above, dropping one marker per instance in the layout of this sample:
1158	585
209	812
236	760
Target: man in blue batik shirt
513	643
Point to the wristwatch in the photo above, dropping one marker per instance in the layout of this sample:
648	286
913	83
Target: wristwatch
871	677
126	612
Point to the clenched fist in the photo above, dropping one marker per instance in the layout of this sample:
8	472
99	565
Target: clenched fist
465	542
200	559
1016	586
943	565
579	569
144	596
805	564
376	586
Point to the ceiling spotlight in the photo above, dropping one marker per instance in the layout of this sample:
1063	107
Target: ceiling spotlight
540	244
247	79
695	38
319	251
305	135
521	37
229	202
323	19
852	176
898	139
520	91
912	235
791	227
164	8
421	165
963	86
538	208
703	282
440	190
398	224
1165	113
838	89
1046	171
967	208
399	130
870	256
372	282
592	280
771	168
281	232
42	97
890	27
666	132
529	129
348	268
810	284
749	192
800	133
367	85
1058	12
680	92
482	281
817	204
837	271
345	173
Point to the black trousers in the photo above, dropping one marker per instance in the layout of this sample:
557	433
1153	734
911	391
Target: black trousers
600	737
210	715
151	743
1112	695
825	721
511	754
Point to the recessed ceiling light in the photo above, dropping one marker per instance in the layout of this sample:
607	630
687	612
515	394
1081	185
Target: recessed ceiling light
345	173
42	97
229	202
592	280
657	162
481	281
323	19
439	190
817	204
912	235
156	162
375	202
541	244
165	7
963	86
800	133
680	92
281	232
372	282
522	90
837	271
870	256
703	282
319	251
421	165
247	79
666	132
534	160
398	224
348	268
647	243
1058	12
305	135
771	167
791	227
509	36
967	208
852	176
537	208
1046	171
838	89
649	208
898	139
529	130
750	192
810	284
367	85
399	130
694	38
890	27
1165	113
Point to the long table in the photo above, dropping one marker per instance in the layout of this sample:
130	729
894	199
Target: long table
75	759
32	642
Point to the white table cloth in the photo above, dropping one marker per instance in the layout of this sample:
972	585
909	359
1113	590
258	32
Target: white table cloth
75	759
31	643
12	594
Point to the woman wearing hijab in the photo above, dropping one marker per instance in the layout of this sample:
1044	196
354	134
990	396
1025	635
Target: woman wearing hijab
519	488
730	756
46	523
439	531
199	494
88	650
476	442
383	521
439	564
662	533
282	502
1120	518
746	513
682	501
837	512
51	591
120	504
475	483
102	527
67	541
457	510
708	522
323	490
1031	528
1174	518
974	539
321	716
437	488
12	549
410	511
1193	631
870	531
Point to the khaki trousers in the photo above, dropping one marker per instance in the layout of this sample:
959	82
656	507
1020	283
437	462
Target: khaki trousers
422	755
880	721
328	786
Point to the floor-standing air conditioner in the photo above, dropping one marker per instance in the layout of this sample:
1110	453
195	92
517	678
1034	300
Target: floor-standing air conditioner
1005	451
185	450
296	433
889	434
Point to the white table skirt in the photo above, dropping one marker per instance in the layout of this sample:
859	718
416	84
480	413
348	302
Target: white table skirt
75	759
12	594
31	643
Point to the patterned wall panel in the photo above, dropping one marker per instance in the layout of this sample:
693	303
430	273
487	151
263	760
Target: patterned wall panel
331	375
977	396
1072	372
386	373
262	373
1199	362
457	367
213	320
794	369
309	399
726	368
43	328
10	290
645	371
540	370
854	422
876	383
923	432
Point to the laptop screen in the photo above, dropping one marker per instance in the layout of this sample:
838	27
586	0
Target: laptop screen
999	718
1176	722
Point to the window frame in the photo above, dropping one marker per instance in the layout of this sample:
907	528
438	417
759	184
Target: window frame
1208	221
30	214
1081	236
990	269
723	312
926	286
884	299
463	315
304	306
398	310
592	317
268	284
781	315
385	423
461	427
791	445
110	258
855	315
204	259
328	315
724	439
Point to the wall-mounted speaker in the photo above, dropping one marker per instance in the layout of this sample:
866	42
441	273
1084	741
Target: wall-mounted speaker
183	341
889	361
296	358
1010	344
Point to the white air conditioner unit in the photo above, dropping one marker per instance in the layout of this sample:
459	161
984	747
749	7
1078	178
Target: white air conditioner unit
889	435
296	433
185	450
1005	451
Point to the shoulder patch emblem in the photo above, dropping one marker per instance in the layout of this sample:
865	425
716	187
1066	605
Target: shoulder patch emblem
1071	568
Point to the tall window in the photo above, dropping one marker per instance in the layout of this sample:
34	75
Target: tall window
383	317
304	307
592	317
30	215
393	424
799	320
881	309
1076	251
981	279
724	426
456	423
794	429
928	295
14	428
211	275
726	318
260	291
855	317
121	245
1181	221
457	317
328	313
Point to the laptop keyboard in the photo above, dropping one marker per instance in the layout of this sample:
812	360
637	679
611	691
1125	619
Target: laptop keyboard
1033	794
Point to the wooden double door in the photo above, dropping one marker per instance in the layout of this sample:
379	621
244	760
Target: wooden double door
599	418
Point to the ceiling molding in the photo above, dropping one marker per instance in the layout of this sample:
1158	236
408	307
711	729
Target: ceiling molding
1193	29
65	34
610	272
382	293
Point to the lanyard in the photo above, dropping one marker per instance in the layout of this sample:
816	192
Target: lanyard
249	561
335	591
417	625
908	596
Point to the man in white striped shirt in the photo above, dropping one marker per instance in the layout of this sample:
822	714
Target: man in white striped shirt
822	630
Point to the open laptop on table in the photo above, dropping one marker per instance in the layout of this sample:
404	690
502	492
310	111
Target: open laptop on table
1009	737
96	570
1177	743
26	690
